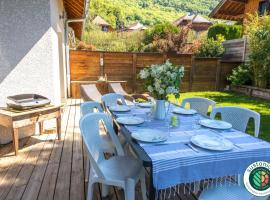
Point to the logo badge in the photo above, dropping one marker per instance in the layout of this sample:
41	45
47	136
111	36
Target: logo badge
256	178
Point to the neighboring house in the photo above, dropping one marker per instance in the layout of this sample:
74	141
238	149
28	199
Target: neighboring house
104	25
33	46
237	10
196	22
135	27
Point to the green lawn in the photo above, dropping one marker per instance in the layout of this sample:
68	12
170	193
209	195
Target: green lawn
232	99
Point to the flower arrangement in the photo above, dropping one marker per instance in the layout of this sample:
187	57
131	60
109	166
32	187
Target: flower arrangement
162	80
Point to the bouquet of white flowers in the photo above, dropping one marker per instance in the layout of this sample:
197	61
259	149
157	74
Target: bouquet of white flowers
161	80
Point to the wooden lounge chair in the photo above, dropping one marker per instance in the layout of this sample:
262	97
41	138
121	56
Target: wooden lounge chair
90	93
117	88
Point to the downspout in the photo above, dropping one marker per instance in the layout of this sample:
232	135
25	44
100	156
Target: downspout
86	4
67	51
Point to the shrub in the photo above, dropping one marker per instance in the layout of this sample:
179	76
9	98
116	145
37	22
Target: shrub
210	48
159	30
241	75
258	33
229	32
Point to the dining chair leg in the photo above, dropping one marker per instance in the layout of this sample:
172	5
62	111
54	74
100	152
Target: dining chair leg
130	189
104	190
87	168
90	190
143	185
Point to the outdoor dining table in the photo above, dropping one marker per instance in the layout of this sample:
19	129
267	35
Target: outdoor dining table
175	162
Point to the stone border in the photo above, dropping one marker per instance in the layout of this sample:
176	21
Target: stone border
252	91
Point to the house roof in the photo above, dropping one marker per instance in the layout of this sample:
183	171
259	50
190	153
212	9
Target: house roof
76	9
195	19
136	26
100	21
197	22
229	10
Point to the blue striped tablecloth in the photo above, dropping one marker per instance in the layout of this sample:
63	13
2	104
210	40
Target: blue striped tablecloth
174	162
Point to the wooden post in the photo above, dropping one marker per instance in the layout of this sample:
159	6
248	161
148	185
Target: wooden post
192	73
165	57
15	137
218	75
134	72
101	63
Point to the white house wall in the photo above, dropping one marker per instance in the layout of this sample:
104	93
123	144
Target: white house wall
29	53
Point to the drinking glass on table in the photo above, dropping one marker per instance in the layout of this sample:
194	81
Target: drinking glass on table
196	124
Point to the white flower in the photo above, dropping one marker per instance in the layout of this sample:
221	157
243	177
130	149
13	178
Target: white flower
144	74
161	91
150	88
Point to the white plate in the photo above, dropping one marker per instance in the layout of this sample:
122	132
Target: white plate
184	111
145	104
119	108
149	135
130	120
212	142
217	124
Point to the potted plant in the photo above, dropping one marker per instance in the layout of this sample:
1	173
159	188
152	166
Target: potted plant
162	80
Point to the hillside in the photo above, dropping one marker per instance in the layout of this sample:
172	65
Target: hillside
148	12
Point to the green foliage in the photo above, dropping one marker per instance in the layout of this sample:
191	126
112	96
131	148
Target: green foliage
258	33
148	12
161	30
241	75
210	48
229	32
113	41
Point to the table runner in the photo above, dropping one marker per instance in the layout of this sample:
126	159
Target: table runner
174	162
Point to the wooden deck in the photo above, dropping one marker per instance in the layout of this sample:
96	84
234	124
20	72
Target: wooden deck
47	168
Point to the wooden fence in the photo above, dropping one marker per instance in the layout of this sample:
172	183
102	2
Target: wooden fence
201	74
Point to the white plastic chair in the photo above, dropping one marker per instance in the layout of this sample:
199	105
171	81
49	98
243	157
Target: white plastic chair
238	117
112	99
200	104
119	170
89	107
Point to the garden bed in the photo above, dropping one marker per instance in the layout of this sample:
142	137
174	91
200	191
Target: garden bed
252	91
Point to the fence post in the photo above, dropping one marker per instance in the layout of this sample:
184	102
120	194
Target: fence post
101	63
134	72
218	75
192	72
165	57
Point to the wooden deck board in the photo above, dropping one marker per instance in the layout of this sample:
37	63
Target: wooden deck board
48	169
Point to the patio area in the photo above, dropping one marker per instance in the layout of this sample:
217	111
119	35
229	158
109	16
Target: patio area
46	168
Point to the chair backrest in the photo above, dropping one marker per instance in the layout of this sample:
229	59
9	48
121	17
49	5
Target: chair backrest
90	93
200	104
90	128
89	107
117	88
112	99
238	117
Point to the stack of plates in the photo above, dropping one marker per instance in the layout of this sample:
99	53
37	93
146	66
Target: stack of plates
150	135
184	111
145	104
212	142
130	120
119	108
216	124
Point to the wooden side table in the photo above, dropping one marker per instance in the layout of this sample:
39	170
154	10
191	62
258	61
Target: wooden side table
16	120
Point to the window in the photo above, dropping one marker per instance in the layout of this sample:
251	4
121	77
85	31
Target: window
263	7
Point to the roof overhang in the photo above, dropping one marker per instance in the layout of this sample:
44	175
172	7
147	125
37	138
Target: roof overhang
76	9
229	10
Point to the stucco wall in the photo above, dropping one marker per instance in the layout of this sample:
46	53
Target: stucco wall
29	51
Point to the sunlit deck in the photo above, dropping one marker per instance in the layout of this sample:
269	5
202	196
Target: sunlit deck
47	168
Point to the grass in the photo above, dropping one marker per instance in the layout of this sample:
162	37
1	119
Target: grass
233	99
